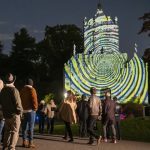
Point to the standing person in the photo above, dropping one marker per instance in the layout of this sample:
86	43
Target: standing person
83	114
41	114
30	105
68	114
2	120
94	113
117	117
12	109
109	113
50	113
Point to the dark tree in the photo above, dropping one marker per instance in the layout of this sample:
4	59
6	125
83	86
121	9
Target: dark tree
57	47
4	62
23	55
146	57
1	47
146	23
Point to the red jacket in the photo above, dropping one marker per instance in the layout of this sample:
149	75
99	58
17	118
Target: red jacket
29	98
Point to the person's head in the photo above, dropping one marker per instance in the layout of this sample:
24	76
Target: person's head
69	93
51	101
10	78
84	97
42	102
1	84
108	93
29	81
115	99
70	96
93	90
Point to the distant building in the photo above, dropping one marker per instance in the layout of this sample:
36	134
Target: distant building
102	65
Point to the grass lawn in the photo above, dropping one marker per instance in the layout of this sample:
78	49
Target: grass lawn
137	129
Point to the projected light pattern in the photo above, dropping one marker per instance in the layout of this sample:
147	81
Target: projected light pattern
103	66
101	33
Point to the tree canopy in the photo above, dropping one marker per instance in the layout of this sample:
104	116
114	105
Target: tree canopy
43	60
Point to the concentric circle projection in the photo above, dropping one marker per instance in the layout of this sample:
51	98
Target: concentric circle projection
103	66
128	81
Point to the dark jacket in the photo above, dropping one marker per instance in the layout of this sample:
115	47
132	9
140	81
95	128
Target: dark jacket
10	101
109	110
82	110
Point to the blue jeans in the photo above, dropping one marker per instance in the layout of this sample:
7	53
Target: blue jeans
2	122
28	125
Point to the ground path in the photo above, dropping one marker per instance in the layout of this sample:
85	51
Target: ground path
47	142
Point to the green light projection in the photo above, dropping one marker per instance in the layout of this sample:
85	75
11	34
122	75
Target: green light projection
102	65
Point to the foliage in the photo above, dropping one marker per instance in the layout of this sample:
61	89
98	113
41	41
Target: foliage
48	97
1	47
136	129
132	109
57	47
43	61
146	57
146	23
23	54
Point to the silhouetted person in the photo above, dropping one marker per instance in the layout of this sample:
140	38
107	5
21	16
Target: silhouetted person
109	116
2	120
12	110
117	116
83	114
41	114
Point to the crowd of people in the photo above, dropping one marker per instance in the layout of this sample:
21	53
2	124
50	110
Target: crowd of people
17	108
20	109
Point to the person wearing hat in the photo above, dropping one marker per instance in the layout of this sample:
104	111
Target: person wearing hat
30	105
12	110
83	114
95	110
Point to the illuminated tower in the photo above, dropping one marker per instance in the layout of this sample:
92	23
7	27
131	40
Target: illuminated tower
101	33
102	65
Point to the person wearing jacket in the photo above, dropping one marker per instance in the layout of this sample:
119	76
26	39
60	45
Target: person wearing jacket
30	105
68	114
109	116
83	114
94	113
12	110
117	117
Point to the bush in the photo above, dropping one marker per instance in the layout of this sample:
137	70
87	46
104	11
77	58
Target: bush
137	129
48	97
133	109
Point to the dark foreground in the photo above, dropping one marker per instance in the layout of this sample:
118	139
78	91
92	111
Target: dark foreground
47	142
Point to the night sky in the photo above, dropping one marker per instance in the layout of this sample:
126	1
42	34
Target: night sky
36	14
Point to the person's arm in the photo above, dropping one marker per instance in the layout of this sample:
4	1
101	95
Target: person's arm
45	110
34	99
106	105
17	101
100	108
